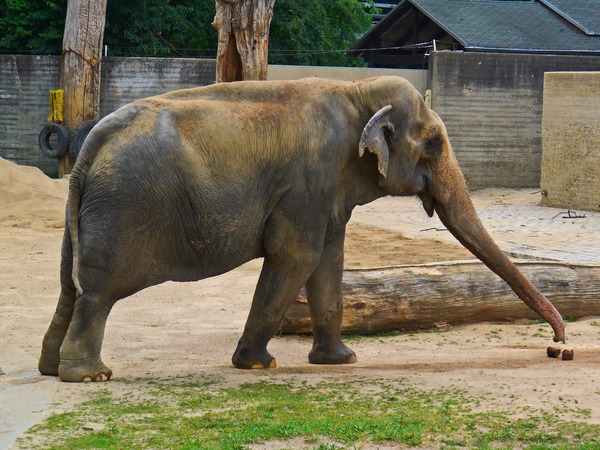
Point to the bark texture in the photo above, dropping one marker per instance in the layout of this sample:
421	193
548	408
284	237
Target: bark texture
436	295
243	47
80	65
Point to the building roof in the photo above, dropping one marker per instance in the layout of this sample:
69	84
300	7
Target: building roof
525	26
585	15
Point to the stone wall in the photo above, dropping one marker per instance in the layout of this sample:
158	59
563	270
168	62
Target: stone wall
492	106
26	80
571	140
127	79
491	103
418	78
24	85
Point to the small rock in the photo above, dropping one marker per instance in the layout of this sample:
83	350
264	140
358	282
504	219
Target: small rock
568	355
553	352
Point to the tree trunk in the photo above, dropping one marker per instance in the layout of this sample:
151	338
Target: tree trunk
80	66
243	48
435	295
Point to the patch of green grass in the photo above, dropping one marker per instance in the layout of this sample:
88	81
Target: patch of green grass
178	413
493	334
544	331
566	319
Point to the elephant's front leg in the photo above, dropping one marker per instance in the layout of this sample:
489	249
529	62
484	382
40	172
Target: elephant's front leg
324	292
281	279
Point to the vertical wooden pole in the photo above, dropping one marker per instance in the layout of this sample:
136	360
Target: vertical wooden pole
243	46
80	66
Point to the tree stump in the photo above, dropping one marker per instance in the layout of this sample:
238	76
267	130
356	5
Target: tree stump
243	39
424	296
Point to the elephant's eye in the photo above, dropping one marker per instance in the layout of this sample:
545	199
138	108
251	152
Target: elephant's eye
433	147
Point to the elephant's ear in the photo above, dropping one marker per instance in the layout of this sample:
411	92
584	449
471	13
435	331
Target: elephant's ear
373	138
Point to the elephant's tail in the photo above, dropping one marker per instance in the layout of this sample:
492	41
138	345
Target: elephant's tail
73	224
92	146
89	150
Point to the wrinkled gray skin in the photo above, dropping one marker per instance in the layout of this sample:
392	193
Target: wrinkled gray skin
194	183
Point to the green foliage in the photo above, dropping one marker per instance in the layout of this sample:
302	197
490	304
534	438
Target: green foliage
161	28
310	32
32	26
175	413
302	31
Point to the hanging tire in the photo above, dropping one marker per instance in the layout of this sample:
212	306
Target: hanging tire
62	143
78	137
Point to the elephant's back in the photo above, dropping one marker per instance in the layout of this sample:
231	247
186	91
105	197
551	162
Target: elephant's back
278	91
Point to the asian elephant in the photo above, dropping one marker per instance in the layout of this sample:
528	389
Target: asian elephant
194	183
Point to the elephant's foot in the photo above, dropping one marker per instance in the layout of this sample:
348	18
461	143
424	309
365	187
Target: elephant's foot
247	358
78	371
331	354
48	363
50	357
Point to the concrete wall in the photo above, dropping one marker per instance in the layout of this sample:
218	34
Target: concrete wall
571	140
491	103
24	85
492	107
127	79
418	78
26	80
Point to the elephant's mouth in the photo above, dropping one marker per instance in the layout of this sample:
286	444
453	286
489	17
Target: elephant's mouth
423	182
428	203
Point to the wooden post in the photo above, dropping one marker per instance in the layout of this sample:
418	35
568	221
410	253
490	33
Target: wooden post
243	48
79	75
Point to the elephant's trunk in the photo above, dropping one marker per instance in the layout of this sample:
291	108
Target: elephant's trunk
455	210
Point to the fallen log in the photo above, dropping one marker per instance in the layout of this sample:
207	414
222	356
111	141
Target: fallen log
433	295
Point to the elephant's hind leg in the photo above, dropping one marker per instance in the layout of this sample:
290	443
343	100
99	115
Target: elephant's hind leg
80	351
53	339
324	294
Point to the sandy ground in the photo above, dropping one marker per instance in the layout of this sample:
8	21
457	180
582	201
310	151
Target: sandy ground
192	328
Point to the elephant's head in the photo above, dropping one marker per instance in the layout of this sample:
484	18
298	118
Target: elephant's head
415	158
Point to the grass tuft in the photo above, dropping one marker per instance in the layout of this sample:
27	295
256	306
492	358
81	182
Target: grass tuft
177	413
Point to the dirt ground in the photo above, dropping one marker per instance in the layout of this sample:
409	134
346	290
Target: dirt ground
192	328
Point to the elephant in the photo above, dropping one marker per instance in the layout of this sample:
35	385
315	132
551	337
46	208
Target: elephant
193	183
